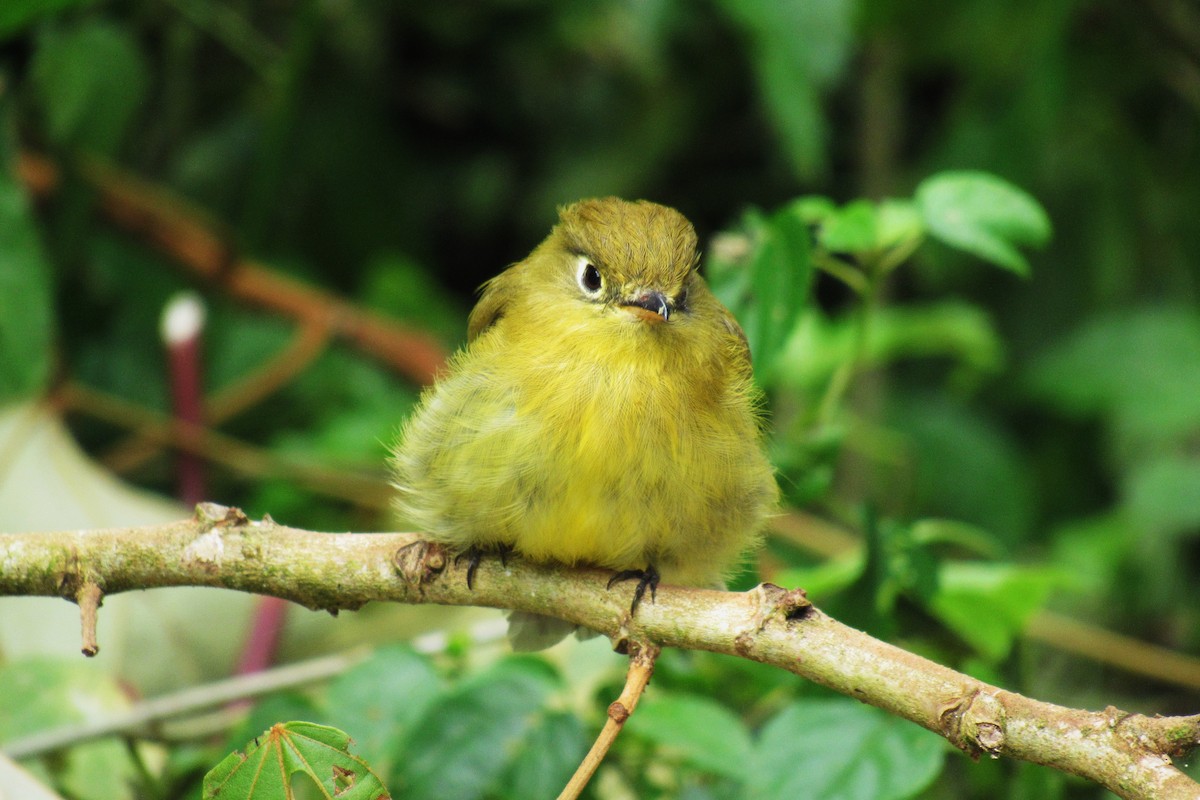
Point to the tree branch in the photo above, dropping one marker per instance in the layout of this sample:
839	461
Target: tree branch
641	667
143	717
1127	753
195	243
151	718
356	486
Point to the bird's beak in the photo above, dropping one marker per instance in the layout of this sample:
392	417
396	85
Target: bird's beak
651	306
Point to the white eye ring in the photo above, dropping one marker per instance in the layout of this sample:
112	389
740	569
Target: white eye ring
588	276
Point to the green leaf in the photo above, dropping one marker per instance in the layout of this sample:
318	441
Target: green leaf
971	538
399	286
26	299
842	749
988	604
1163	494
734	683
466	739
813	209
983	215
1138	367
799	48
289	704
1092	552
705	734
264	771
793	105
963	465
780	274
378	701
952	330
912	565
1036	782
878	236
548	758
90	80
18	14
897	566
854	228
42	693
827	577
899	224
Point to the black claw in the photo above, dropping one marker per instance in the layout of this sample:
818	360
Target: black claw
473	555
647	579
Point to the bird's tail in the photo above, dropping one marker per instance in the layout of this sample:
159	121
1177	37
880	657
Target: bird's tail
529	632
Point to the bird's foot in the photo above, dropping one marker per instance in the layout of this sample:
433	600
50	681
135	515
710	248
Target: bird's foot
474	555
646	579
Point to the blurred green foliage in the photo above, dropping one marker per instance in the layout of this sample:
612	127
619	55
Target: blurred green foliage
1003	440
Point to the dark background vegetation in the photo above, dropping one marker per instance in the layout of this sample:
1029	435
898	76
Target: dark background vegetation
400	153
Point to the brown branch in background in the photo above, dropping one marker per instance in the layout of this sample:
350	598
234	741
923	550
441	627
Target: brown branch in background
1106	647
200	712
881	116
641	666
1177	23
814	534
224	404
1130	754
304	348
236	455
144	719
187	237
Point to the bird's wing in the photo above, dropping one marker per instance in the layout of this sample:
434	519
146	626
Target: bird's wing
493	296
742	345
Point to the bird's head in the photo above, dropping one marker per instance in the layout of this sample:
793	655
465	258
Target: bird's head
635	258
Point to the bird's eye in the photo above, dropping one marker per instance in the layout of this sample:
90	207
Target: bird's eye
589	277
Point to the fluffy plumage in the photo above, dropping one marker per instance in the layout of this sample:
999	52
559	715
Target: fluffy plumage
603	412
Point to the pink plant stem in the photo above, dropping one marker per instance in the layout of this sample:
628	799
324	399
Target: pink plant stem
182	329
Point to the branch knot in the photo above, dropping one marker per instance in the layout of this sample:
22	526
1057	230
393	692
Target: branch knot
215	515
975	723
419	562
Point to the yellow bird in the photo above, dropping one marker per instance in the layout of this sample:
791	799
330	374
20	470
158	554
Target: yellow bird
602	413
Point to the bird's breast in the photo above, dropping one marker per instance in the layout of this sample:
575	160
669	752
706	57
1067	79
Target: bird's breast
629	445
